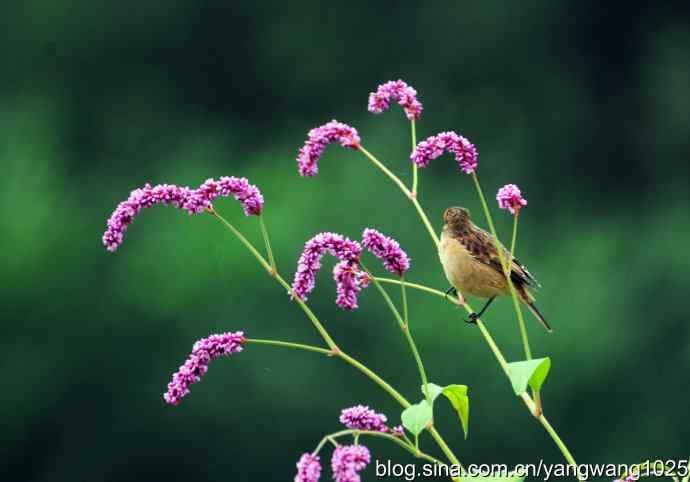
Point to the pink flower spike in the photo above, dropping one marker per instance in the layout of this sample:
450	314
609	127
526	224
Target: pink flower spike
400	92
386	249
347	461
509	197
318	139
203	352
432	147
349	282
308	468
194	201
348	277
361	417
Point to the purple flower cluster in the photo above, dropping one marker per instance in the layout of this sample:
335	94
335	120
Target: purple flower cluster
349	279
399	91
431	148
386	249
509	197
308	468
361	417
347	461
318	139
193	201
203	352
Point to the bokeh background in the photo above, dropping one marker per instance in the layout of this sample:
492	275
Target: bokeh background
584	104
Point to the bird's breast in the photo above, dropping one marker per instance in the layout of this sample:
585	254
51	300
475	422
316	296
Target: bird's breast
466	273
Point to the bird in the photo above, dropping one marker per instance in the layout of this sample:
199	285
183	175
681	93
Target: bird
472	264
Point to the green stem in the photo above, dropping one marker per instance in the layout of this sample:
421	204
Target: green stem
404	300
404	326
383	435
512	242
413	129
426	222
312	317
405	191
386	171
267	242
287	344
244	240
554	435
375	378
506	268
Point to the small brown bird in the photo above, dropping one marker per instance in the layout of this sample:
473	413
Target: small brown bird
472	264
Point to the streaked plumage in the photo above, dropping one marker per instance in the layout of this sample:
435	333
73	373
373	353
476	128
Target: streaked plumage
472	264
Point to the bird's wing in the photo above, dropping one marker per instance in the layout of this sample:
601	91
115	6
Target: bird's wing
481	245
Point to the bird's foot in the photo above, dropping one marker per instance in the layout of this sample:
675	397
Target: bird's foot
473	317
451	291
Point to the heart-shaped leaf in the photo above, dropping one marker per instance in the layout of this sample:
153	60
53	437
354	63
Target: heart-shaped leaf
529	372
416	417
457	395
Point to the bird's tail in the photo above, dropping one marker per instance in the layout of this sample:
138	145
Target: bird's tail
528	300
539	316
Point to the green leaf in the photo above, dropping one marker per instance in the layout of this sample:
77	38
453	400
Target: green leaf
416	417
457	395
434	391
530	372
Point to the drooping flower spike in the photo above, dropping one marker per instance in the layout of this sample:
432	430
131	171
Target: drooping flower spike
193	201
386	249
203	352
509	197
308	468
432	147
318	139
361	417
398	91
349	279
347	461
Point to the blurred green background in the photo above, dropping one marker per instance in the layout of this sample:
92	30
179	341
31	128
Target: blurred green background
583	104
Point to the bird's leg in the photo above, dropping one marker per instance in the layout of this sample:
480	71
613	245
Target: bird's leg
475	316
451	291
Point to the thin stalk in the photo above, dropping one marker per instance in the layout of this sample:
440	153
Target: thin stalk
425	220
554	435
386	436
312	317
386	171
375	378
512	241
413	130
408	336
403	292
241	237
420	288
506	269
405	191
267	242
288	344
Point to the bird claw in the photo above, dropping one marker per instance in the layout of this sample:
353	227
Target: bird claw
473	318
451	291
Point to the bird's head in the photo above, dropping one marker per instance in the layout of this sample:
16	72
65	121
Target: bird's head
456	216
